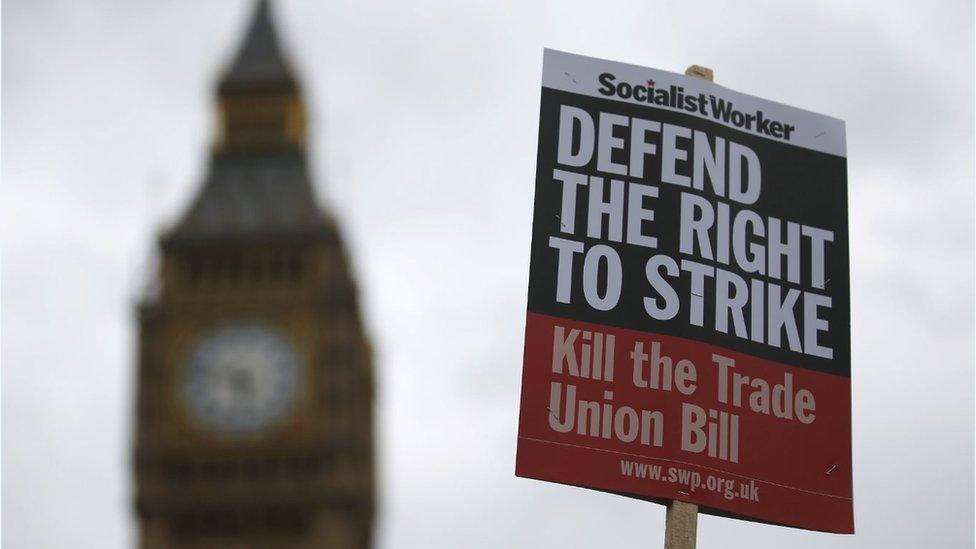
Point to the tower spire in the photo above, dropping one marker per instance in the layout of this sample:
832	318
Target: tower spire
258	183
260	62
260	103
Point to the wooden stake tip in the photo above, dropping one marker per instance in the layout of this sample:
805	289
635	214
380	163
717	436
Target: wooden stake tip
699	71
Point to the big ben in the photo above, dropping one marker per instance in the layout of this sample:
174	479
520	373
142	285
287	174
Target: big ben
254	423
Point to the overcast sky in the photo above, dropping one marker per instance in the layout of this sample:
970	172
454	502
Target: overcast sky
425	117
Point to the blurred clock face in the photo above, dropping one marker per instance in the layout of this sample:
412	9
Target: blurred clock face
241	378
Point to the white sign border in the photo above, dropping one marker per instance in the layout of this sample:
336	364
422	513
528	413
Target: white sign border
580	74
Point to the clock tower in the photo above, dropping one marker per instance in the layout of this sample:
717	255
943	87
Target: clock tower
254	423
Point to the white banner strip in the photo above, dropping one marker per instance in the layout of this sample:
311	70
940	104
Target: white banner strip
694	97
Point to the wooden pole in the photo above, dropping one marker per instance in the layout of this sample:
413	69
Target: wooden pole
699	71
681	525
681	522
